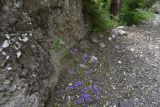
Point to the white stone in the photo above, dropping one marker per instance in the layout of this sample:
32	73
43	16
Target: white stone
13	39
118	32
7	57
83	66
122	33
3	53
110	38
30	34
25	34
70	84
25	39
19	45
132	49
5	44
7	36
134	26
34	75
93	59
18	54
119	62
113	36
102	45
9	68
157	47
120	27
114	106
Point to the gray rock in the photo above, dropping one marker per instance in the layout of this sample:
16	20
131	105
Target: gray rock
94	40
5	44
35	66
120	27
93	59
18	54
102	45
83	66
118	32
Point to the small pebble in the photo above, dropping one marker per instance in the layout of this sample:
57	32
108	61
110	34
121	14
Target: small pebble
119	62
110	38
3	53
93	59
83	66
9	68
18	54
5	44
132	49
102	45
113	36
120	27
7	57
7	36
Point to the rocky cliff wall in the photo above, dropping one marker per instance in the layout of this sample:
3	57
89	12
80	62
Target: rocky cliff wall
28	70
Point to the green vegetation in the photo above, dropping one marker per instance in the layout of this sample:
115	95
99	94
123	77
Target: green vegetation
147	14
132	12
59	46
98	10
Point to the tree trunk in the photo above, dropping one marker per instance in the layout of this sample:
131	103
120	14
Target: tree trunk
115	7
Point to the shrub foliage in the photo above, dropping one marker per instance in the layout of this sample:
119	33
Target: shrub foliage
98	10
130	13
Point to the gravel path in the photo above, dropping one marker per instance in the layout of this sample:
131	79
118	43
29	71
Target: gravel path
126	73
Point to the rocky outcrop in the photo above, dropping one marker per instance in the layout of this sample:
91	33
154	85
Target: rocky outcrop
29	70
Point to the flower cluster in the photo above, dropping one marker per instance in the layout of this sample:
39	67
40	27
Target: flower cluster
84	57
84	98
75	85
86	91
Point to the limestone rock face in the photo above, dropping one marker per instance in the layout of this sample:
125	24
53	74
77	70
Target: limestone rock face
28	70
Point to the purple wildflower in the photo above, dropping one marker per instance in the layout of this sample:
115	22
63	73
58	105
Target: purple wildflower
80	101
86	98
97	98
95	89
84	57
70	87
83	89
73	51
77	84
